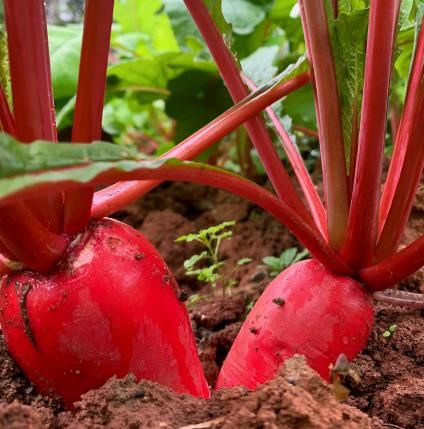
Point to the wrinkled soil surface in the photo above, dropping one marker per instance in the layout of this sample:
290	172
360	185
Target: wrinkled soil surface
389	393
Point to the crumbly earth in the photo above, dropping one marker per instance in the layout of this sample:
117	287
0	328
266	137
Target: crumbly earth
389	392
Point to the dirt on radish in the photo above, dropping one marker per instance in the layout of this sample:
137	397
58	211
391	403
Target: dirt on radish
391	370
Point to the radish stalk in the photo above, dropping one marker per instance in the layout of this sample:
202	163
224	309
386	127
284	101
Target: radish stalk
302	174
329	124
361	238
89	102
27	32
255	127
114	197
407	163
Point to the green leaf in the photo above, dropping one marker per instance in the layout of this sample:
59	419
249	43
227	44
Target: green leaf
153	74
347	6
272	262
244	261
299	106
349	42
191	262
146	17
288	256
64	116
300	256
182	23
260	66
243	15
197	97
44	167
65	50
4	64
216	10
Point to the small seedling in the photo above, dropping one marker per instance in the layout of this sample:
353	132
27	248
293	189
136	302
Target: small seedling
276	264
207	265
390	331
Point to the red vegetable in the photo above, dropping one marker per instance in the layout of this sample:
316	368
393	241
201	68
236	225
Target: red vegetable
305	310
110	308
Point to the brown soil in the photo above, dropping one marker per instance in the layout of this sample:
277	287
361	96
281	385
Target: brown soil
391	371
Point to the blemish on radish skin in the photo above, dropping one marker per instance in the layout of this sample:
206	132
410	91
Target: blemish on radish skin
139	256
279	301
113	243
254	330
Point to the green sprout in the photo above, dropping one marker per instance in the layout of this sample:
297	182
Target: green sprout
276	264
390	331
207	265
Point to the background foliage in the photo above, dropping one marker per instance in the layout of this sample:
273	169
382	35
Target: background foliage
163	85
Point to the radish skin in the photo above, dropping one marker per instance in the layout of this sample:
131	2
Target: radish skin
305	310
110	308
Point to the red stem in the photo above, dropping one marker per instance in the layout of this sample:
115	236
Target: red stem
119	195
314	20
392	270
407	163
90	98
6	119
26	238
210	176
255	126
31	87
302	174
361	238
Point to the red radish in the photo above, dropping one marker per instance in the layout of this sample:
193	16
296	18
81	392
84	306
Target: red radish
305	310
110	308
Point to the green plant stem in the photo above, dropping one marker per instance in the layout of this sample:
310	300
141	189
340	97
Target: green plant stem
407	163
90	99
119	195
312	198
361	238
33	107
329	123
255	127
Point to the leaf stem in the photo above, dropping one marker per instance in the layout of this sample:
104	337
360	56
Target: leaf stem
119	195
312	198
87	125
397	267
407	163
33	107
361	238
255	127
28	240
204	175
314	20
